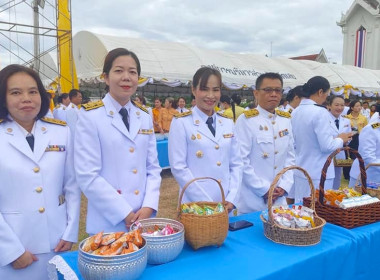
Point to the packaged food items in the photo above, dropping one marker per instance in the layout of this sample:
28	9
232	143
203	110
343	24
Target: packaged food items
373	185
345	198
357	201
205	210
156	230
297	216
114	243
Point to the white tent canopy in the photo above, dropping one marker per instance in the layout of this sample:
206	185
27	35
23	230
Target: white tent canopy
176	63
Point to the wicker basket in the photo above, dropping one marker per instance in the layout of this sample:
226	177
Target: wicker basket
343	162
202	231
292	236
370	191
351	217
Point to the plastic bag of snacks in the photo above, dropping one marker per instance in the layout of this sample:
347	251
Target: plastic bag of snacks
156	230
204	210
297	216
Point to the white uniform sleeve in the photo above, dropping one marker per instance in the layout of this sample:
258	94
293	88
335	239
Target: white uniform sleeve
325	134
72	194
367	145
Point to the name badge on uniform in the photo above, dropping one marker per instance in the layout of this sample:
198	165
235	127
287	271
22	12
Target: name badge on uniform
145	131
229	135
283	133
55	148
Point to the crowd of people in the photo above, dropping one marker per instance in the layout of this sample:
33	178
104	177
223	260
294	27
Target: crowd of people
107	150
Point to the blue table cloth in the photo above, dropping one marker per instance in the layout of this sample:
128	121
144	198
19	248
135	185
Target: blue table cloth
162	151
248	254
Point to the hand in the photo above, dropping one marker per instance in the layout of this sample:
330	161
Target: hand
26	259
346	137
143	213
229	206
128	220
63	246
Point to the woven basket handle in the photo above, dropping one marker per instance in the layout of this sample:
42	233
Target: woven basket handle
368	166
274	184
196	179
363	174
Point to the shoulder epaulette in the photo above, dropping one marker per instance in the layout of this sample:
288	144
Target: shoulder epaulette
53	121
283	114
224	115
251	113
188	113
324	107
140	107
346	116
375	125
93	105
58	106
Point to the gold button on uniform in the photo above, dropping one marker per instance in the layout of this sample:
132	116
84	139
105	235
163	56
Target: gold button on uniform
199	154
9	129
43	128
38	189
218	163
217	147
41	210
137	192
275	137
131	149
134	171
111	113
36	169
273	122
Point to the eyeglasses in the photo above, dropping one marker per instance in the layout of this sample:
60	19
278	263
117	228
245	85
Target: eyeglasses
270	90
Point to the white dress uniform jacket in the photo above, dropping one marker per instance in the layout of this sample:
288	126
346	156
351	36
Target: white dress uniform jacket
32	215
194	152
182	110
369	149
60	112
267	146
116	169
344	127
315	140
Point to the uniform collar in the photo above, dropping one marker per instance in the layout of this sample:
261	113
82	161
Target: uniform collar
265	114
23	130
203	116
307	101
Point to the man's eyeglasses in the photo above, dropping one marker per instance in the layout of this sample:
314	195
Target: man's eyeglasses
270	90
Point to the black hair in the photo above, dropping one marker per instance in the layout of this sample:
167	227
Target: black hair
74	92
201	77
314	84
352	105
333	97
142	99
9	71
269	75
297	91
115	53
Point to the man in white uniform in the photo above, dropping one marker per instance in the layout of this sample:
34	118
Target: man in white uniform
267	146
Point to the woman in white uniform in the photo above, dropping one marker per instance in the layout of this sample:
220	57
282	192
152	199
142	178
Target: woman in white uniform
39	200
339	125
115	151
203	143
315	138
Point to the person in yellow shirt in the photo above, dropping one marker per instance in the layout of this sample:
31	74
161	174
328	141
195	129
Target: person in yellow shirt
358	122
231	106
166	115
156	114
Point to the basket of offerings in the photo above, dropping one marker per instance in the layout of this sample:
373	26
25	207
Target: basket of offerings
206	223
113	256
297	225
164	238
346	207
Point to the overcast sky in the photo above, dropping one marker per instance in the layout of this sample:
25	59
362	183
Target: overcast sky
296	27
293	28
